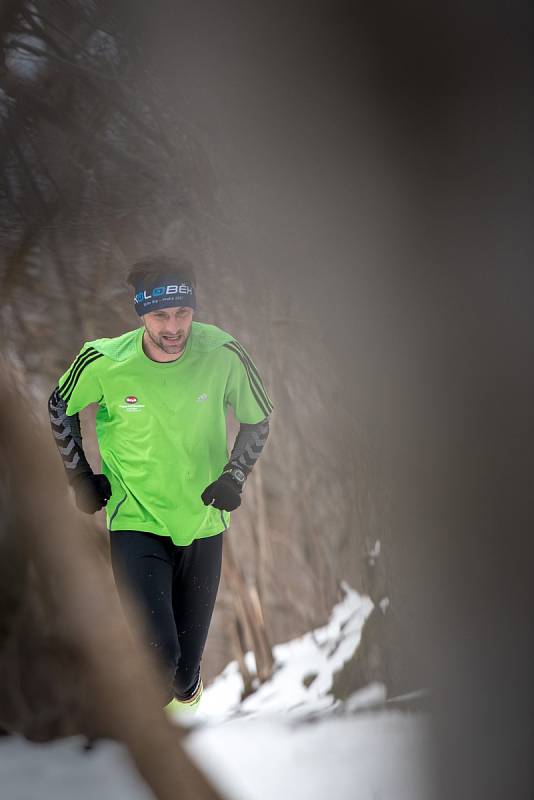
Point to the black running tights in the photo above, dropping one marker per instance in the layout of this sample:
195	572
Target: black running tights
174	588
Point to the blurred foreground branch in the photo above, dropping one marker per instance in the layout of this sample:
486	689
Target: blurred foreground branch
68	663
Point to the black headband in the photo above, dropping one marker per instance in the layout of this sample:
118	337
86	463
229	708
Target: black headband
167	293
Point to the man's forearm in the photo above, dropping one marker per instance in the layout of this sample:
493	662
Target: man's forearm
68	437
225	492
248	445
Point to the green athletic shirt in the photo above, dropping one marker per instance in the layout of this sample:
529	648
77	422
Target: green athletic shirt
161	426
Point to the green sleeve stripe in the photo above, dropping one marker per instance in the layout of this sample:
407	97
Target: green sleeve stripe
80	358
251	379
75	378
255	372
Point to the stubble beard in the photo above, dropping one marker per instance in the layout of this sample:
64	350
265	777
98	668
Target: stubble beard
166	347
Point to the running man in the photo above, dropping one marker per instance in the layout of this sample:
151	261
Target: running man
168	484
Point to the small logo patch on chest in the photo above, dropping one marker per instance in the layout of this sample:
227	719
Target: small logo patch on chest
131	403
202	397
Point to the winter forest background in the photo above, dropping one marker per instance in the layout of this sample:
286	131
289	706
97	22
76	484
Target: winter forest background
355	188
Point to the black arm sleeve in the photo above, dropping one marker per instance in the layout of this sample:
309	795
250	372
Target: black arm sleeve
68	437
248	445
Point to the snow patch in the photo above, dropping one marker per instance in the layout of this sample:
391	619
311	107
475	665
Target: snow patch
304	669
64	770
370	756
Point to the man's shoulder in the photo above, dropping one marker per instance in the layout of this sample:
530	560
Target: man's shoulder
118	348
205	337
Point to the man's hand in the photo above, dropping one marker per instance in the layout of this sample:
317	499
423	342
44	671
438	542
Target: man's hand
224	493
91	492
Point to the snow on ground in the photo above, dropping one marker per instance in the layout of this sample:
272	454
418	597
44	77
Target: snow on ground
293	688
372	756
63	770
290	739
293	739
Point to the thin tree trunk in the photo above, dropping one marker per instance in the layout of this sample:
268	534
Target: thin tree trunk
249	614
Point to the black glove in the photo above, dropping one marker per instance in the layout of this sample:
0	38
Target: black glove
91	492
224	493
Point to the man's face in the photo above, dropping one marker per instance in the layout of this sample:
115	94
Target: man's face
169	328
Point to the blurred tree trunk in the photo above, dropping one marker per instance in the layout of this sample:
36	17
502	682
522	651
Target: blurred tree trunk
68	661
